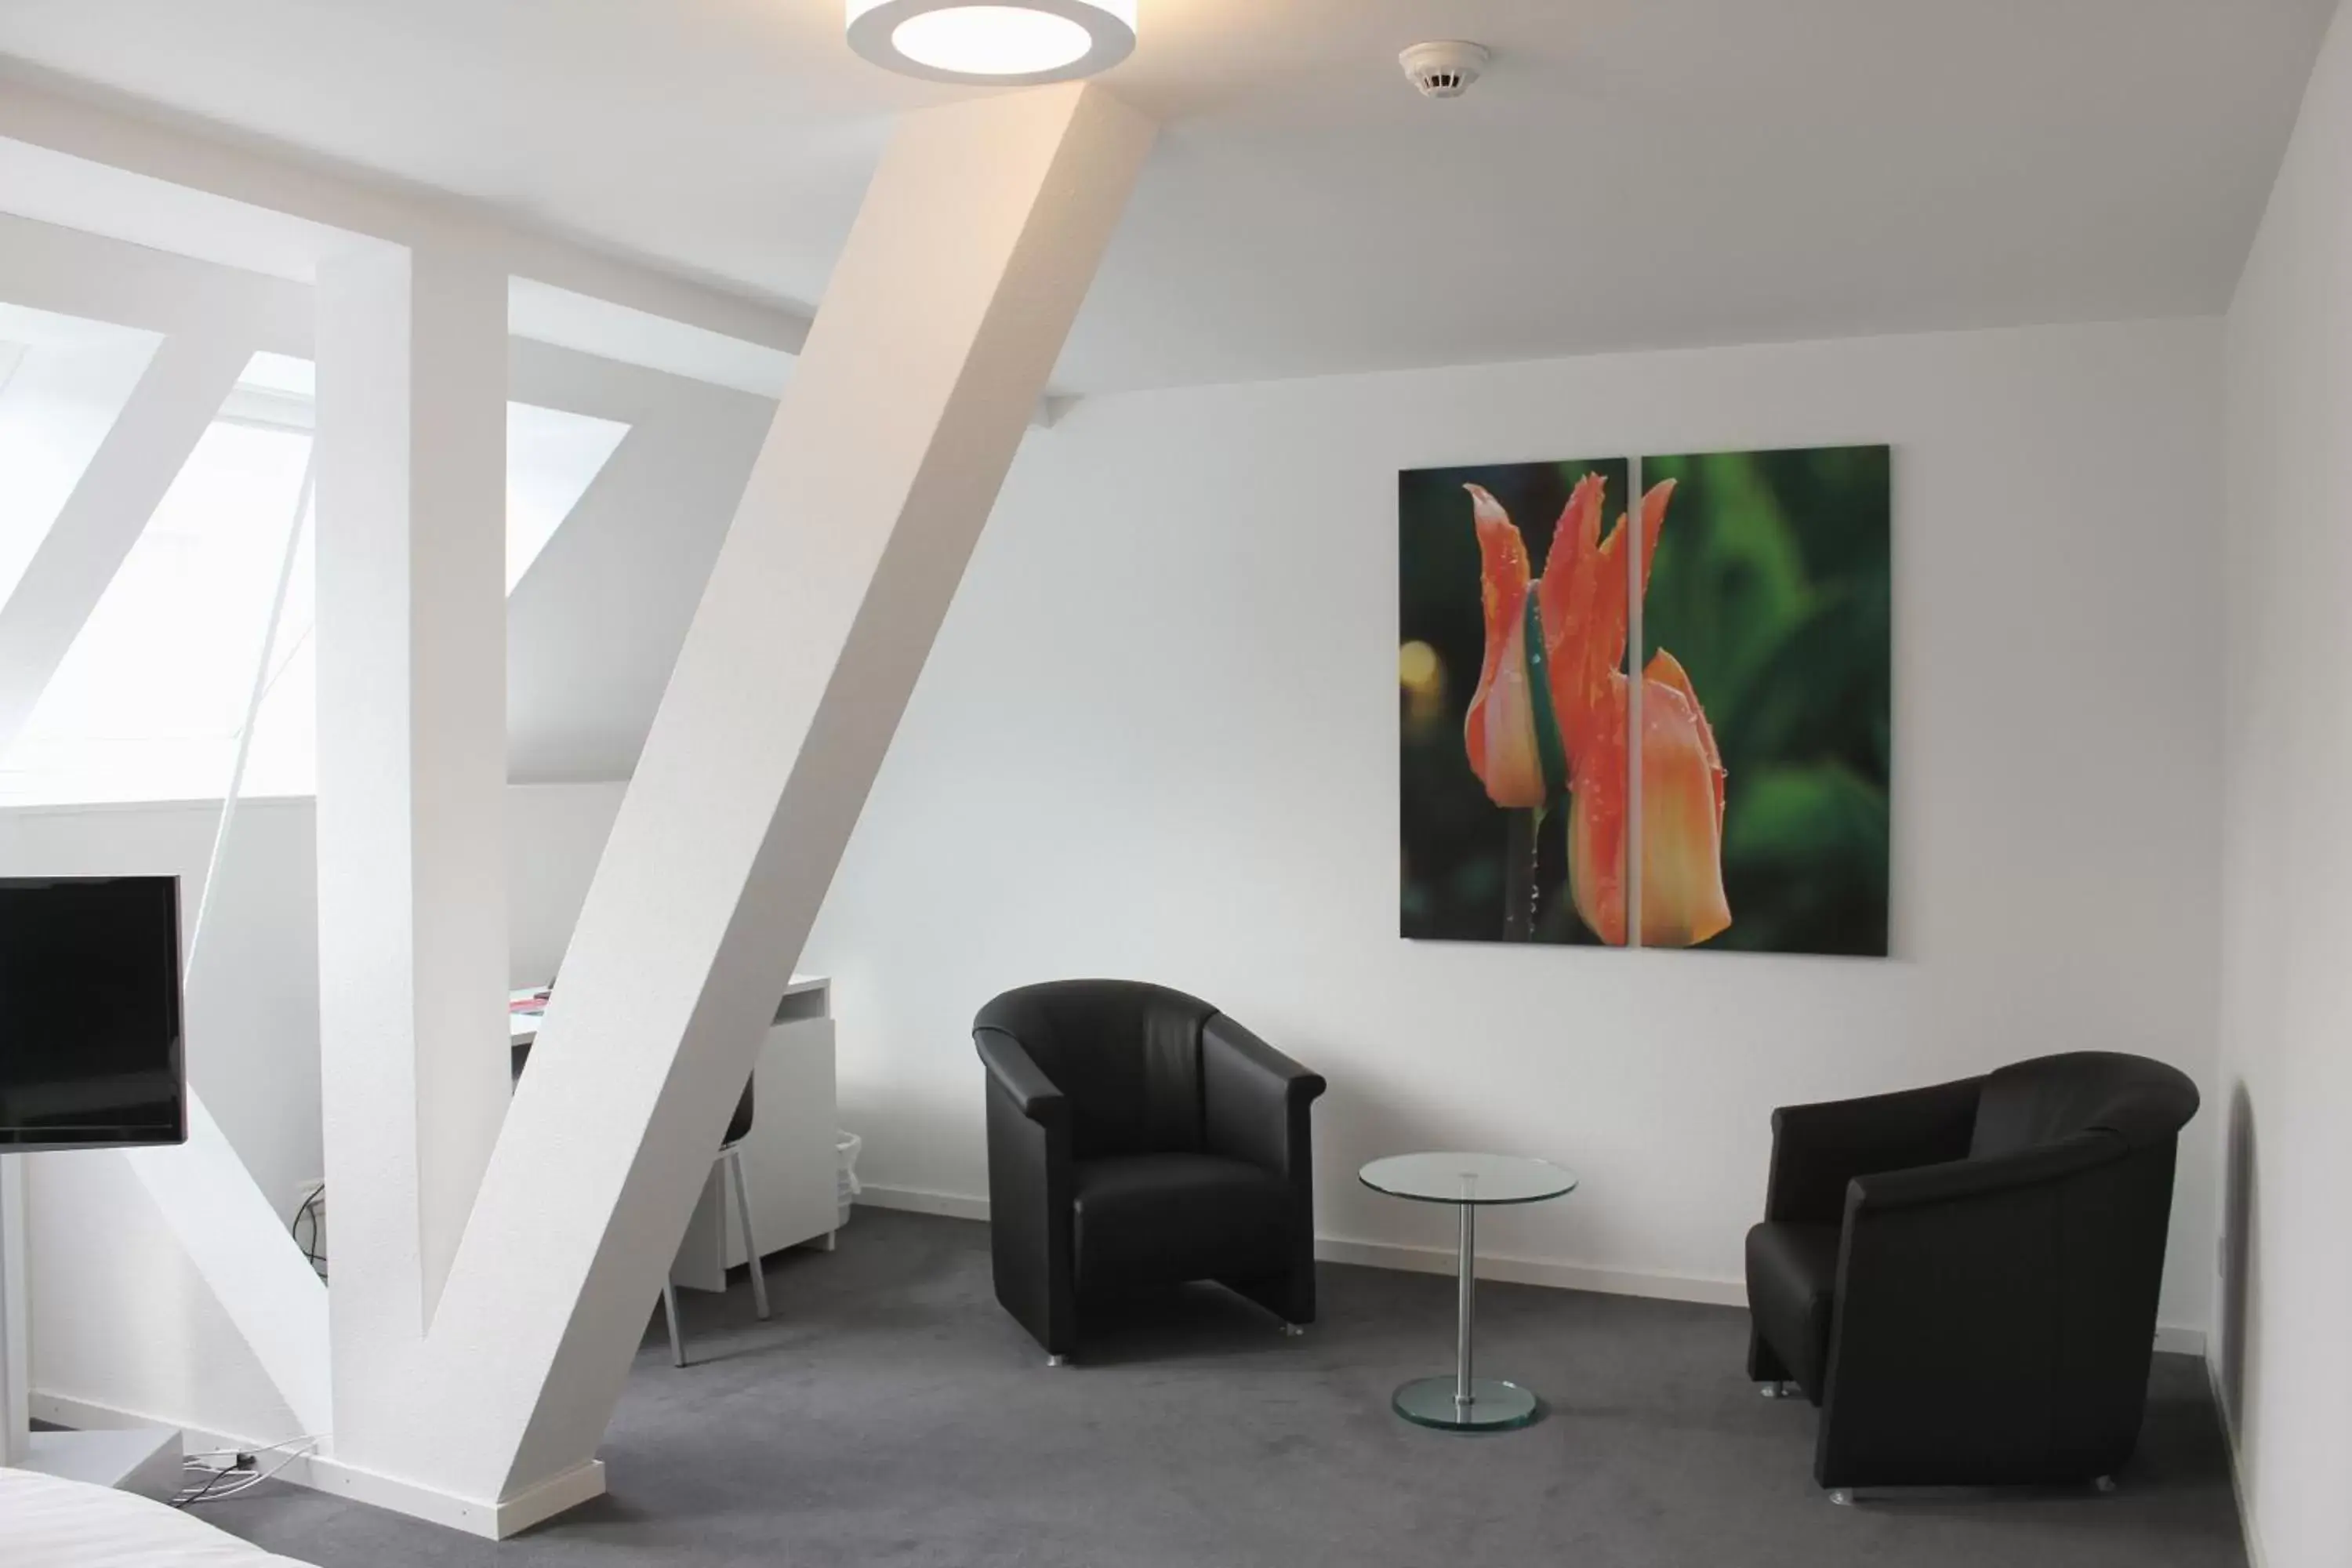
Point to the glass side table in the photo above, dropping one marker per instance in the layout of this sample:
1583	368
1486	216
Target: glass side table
1470	1182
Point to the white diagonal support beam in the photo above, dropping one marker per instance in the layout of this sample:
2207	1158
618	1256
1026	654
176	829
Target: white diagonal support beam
194	156
75	273
976	243
176	399
411	356
239	1246
969	257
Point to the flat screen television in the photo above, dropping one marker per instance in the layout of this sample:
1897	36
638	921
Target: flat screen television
89	1013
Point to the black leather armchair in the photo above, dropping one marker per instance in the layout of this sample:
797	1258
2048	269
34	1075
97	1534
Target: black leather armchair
1964	1278
1138	1137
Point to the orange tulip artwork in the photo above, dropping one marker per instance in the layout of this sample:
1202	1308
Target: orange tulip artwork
1728	786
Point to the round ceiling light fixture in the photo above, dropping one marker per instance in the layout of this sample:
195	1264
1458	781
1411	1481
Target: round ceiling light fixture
996	44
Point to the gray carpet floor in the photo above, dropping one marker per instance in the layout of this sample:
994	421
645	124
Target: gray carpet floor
891	1414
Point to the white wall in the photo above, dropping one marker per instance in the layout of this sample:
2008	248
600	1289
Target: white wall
120	1318
594	627
1157	738
2286	1363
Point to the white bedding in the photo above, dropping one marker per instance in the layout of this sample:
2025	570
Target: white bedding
46	1522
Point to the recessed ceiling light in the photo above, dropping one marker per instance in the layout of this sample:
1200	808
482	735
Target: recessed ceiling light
1001	45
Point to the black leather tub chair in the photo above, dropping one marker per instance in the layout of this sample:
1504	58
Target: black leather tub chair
1964	1279
1139	1138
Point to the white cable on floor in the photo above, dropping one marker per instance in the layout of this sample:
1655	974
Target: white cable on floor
308	1438
212	1490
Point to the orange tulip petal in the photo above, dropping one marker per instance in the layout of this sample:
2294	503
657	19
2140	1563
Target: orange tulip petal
1664	668
1682	901
1653	518
1573	542
1498	734
1584	605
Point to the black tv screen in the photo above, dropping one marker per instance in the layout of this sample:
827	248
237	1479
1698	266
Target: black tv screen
89	1013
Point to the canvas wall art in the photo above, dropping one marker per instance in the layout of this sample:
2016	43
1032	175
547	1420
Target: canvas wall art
1756	588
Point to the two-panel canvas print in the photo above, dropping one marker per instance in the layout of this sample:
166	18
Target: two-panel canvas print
1752	591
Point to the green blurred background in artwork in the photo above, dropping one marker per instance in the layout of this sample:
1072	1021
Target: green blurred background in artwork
1772	585
1453	835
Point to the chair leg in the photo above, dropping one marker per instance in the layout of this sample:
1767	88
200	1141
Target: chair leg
669	1312
732	1158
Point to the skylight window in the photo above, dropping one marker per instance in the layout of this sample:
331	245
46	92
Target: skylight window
281	373
552	456
148	702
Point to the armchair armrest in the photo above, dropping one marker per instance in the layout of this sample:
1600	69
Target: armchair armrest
1031	1231
1817	1149
1227	1045
1958	1181
1013	1072
1254	1099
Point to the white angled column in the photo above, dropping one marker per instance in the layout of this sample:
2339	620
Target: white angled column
412	367
945	314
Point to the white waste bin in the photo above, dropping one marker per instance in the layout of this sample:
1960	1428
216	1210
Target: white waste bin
846	1146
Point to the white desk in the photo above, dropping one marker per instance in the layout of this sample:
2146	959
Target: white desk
788	1157
523	1027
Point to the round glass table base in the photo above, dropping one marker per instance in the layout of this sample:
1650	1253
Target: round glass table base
1495	1405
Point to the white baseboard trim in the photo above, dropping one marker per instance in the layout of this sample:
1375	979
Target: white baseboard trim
494	1520
1536	1271
2254	1557
2175	1339
914	1200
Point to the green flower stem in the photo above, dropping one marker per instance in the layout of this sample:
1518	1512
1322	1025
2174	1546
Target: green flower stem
1519	874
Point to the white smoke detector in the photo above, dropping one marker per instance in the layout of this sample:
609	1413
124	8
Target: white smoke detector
1445	67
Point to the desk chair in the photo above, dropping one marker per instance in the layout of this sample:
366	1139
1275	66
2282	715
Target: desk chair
731	1160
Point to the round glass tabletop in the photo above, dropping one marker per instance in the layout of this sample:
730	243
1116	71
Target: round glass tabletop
1468	1178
